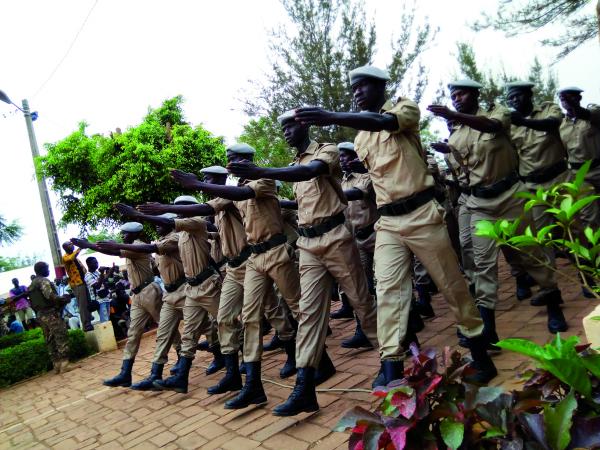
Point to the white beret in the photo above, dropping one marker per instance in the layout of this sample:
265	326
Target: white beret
132	227
346	146
185	199
464	83
218	170
570	89
288	115
168	215
368	72
241	149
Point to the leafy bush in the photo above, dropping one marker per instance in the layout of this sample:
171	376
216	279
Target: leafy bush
558	408
30	357
10	340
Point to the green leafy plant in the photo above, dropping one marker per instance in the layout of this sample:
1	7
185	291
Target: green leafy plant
564	202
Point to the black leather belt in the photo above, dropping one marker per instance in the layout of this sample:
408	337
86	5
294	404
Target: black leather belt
262	247
365	232
221	263
322	228
172	287
494	190
201	277
545	174
408	204
577	166
240	259
140	288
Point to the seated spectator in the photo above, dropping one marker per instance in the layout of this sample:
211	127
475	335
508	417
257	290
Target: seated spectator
95	280
70	314
20	297
14	325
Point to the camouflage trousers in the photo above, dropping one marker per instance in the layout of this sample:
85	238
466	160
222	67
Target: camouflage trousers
55	334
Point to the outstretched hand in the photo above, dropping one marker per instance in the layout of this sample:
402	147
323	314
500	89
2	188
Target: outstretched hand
313	115
152	208
186	179
110	246
441	111
245	170
81	243
127	211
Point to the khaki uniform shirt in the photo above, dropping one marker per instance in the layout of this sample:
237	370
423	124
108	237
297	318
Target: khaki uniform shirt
395	159
290	224
538	149
490	157
322	197
261	215
360	213
139	266
582	137
193	245
168	259
231	228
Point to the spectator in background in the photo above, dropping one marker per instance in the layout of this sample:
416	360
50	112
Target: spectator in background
20	297
70	314
14	325
76	273
95	280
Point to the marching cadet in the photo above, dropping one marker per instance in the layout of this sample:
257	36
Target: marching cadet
236	250
171	272
580	133
271	260
145	302
328	252
484	137
47	305
389	145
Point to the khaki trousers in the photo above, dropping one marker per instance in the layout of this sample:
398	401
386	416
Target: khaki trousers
201	302
144	306
485	251
422	233
466	243
323	259
275	265
167	334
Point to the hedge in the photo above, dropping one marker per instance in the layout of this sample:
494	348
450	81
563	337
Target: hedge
30	357
10	340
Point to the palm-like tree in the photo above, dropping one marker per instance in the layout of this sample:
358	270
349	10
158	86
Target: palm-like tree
9	232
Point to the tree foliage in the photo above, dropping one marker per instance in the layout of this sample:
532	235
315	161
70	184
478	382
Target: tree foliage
9	231
91	173
16	262
524	16
323	41
493	83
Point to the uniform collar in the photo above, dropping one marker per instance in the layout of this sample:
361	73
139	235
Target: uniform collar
310	150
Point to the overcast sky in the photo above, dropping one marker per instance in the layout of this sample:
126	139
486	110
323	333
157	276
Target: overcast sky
134	54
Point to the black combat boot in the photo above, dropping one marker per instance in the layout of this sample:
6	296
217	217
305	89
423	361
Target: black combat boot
524	284
289	368
392	370
545	296
345	312
359	340
482	363
423	304
252	392
325	370
304	396
218	362
556	318
179	381
232	381
124	377
489	328
146	383
203	346
175	367
274	344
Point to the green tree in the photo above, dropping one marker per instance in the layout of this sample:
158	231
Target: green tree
324	40
91	173
16	262
493	82
9	231
518	17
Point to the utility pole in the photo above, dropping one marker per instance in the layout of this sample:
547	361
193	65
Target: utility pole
44	197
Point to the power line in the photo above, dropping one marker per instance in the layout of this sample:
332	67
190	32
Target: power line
68	50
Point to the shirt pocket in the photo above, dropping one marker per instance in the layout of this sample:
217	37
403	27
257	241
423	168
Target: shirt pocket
310	188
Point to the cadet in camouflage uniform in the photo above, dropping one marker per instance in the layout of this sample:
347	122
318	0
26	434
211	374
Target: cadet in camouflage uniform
47	305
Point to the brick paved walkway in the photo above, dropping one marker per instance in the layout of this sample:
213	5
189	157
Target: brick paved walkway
75	411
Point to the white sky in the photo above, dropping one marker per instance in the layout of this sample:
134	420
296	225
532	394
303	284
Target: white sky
134	54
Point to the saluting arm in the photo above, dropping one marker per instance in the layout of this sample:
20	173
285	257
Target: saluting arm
84	243
550	125
191	181
154	209
479	123
299	172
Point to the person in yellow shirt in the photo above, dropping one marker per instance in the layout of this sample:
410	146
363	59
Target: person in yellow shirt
76	272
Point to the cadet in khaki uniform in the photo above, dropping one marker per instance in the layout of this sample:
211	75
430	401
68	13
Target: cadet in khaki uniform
271	261
236	251
47	305
580	133
388	144
145	302
328	252
493	182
